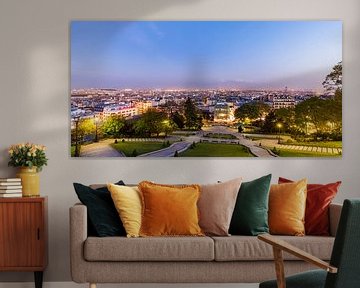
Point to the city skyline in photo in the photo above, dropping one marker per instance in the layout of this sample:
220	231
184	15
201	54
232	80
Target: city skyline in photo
203	54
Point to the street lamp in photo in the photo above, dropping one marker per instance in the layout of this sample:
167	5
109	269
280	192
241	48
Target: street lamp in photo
279	126
96	120
306	127
77	144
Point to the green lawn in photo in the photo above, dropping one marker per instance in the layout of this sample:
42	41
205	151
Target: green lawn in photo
72	150
216	150
141	147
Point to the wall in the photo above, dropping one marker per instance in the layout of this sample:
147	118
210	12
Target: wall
34	89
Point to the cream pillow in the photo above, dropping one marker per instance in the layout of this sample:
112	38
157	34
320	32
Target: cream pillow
127	201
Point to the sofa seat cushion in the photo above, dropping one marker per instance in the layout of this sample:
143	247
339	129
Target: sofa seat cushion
244	248
149	249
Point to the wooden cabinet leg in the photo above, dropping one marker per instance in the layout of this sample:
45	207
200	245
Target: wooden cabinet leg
38	279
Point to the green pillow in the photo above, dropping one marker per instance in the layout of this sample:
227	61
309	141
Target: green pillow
250	216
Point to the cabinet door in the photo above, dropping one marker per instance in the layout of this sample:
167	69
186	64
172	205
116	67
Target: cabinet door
21	234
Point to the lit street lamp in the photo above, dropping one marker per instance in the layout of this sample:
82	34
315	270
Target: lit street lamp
279	126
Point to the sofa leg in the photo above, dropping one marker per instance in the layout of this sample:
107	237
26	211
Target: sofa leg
92	285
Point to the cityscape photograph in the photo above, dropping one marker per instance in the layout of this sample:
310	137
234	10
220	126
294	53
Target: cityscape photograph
206	89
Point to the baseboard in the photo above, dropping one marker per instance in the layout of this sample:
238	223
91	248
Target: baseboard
74	285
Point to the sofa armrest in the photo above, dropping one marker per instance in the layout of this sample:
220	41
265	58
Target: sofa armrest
334	216
78	235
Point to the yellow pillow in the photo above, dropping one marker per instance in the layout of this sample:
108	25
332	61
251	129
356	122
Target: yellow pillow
287	204
127	201
169	210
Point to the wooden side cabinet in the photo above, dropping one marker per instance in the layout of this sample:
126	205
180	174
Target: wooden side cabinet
23	235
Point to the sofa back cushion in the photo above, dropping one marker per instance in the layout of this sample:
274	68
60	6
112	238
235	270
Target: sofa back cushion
250	215
287	204
103	218
318	200
127	201
216	206
169	210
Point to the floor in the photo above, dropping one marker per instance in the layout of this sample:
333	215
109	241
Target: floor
74	285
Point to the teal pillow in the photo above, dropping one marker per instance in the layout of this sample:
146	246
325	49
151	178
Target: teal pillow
250	216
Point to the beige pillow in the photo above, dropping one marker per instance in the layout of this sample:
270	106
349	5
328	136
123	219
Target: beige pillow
216	206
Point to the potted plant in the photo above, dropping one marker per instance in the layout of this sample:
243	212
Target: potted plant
30	158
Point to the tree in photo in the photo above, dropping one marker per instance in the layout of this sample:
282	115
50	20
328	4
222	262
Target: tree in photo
168	126
251	111
314	111
270	122
112	126
178	119
333	80
283	117
151	122
335	112
333	86
286	116
324	115
128	130
82	129
193	119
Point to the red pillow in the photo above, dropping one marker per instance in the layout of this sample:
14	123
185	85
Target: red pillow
319	197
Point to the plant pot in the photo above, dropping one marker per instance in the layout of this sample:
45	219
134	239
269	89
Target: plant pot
30	181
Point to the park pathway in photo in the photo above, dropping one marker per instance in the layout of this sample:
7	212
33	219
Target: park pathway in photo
184	145
100	149
255	149
169	151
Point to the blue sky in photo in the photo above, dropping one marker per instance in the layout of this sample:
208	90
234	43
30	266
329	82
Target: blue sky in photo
203	54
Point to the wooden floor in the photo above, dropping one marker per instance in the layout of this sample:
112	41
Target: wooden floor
74	285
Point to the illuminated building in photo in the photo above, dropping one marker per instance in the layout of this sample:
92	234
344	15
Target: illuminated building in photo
223	113
125	111
282	101
143	106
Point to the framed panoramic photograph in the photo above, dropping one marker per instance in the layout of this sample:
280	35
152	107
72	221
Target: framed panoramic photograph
206	89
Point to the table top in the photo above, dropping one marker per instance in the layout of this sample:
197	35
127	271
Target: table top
23	199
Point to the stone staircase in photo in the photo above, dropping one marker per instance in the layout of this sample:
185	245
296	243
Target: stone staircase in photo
327	150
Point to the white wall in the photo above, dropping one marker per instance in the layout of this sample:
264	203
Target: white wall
34	91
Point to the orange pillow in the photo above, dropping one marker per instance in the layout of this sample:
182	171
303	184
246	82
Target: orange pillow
287	203
169	210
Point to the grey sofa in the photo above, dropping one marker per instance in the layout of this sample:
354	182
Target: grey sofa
234	259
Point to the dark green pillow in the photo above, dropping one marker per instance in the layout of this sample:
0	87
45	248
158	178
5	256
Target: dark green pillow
103	218
250	216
